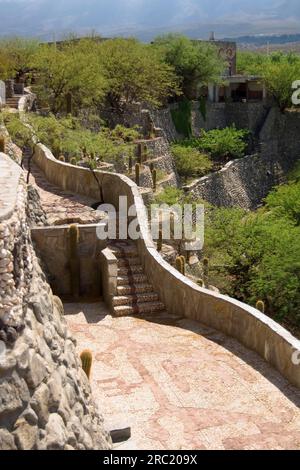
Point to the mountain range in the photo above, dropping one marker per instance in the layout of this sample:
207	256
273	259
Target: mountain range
145	19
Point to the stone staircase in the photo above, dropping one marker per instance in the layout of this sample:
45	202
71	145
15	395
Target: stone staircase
135	295
13	101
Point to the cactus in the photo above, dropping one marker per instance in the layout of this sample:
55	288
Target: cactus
61	158
260	305
74	260
139	152
180	264
137	173
200	283
73	161
154	179
151	166
2	144
69	102
130	163
205	266
86	361
160	240
183	264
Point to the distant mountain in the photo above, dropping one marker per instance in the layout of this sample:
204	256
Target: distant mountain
262	40
146	18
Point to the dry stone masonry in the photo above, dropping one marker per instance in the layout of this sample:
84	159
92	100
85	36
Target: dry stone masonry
45	397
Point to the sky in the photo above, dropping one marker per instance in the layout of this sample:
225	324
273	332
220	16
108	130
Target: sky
109	17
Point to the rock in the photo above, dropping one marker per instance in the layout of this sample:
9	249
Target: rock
56	434
21	353
8	362
25	435
39	403
7	441
30	416
13	393
68	447
64	409
37	369
55	389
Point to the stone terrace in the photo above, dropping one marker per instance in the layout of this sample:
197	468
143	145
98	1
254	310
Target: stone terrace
181	385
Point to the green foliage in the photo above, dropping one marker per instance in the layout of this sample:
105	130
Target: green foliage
182	118
86	361
16	55
258	253
196	63
135	72
179	264
72	69
221	144
170	196
190	162
278	71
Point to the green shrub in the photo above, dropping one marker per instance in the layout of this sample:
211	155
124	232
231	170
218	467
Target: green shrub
190	161
221	144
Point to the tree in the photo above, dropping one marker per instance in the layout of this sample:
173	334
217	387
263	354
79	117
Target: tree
196	63
278	71
135	72
72	72
18	52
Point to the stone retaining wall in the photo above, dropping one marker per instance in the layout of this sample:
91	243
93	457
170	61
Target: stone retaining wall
45	397
180	295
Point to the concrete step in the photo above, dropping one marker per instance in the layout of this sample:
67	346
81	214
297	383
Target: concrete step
137	288
135	299
121	250
122	262
139	309
128	280
132	269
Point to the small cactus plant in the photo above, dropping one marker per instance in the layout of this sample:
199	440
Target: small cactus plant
183	264
139	152
137	173
260	305
73	161
130	163
180	264
2	144
154	179
205	266
160	240
86	361
61	158
200	283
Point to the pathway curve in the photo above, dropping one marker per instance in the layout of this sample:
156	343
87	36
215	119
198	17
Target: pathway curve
182	385
62	207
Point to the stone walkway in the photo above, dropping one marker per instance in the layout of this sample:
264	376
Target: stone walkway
62	207
183	385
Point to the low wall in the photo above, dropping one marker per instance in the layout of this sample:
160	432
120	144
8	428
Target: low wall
54	246
45	397
180	295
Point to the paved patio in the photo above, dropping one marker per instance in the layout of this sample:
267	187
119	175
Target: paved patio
183	385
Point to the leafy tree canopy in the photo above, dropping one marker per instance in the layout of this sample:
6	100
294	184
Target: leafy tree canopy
135	72
196	63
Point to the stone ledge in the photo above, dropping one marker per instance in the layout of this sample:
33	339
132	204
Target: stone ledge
10	174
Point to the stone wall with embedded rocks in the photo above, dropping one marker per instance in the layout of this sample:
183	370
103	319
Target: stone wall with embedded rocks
45	397
247	181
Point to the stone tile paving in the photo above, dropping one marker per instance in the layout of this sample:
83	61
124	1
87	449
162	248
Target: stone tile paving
62	206
183	385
